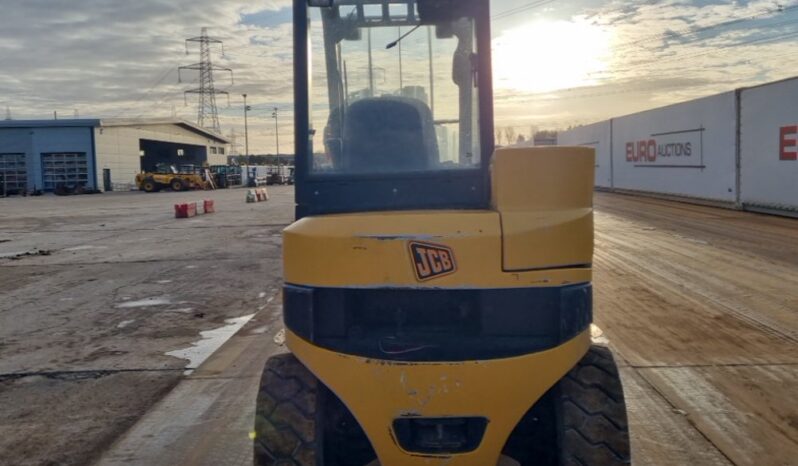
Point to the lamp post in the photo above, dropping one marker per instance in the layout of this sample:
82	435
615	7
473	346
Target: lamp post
276	135
246	128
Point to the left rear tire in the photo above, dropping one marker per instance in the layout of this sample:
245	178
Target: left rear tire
300	422
287	417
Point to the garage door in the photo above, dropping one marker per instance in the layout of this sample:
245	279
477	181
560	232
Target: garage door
64	168
13	173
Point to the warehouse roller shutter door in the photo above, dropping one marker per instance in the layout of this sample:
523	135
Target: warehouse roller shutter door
64	168
13	173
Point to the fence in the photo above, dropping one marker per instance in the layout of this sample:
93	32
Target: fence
738	149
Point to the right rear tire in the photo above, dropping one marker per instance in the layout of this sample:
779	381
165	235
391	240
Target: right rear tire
592	413
583	415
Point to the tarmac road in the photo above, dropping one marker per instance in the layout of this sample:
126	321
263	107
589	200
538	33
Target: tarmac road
699	305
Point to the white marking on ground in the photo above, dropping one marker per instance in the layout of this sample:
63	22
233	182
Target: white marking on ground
182	310
146	302
211	340
191	266
262	294
125	323
163	282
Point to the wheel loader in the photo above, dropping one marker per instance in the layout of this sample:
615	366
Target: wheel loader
437	298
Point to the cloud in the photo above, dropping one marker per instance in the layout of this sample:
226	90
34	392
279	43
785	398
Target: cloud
120	58
662	53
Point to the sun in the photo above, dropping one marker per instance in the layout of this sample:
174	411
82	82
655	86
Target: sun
549	55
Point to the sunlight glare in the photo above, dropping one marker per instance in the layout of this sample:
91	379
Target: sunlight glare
548	55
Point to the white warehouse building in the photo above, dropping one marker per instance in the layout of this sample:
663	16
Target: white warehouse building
103	154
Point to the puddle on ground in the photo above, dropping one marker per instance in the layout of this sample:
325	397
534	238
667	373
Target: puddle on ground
144	303
163	282
85	247
210	342
260	330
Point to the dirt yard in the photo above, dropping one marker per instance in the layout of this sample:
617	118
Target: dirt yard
96	290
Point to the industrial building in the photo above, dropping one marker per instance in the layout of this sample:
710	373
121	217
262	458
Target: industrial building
102	154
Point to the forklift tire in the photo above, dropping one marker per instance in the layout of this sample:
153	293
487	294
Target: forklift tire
287	414
178	184
299	421
149	185
584	415
592	413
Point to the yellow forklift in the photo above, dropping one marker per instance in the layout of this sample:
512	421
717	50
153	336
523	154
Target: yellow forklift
437	296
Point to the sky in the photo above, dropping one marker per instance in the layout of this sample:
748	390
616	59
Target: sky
557	63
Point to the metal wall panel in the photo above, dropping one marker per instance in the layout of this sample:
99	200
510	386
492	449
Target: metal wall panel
769	146
687	149
597	136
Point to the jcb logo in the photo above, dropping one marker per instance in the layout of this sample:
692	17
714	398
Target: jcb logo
431	260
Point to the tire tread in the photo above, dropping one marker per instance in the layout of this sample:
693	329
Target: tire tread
594	427
286	413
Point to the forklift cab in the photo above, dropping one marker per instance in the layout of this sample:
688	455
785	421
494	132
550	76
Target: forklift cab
393	105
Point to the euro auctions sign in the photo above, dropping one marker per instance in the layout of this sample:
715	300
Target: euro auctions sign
788	142
673	149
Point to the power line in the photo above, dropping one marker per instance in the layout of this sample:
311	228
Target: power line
520	9
693	32
653	63
144	94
